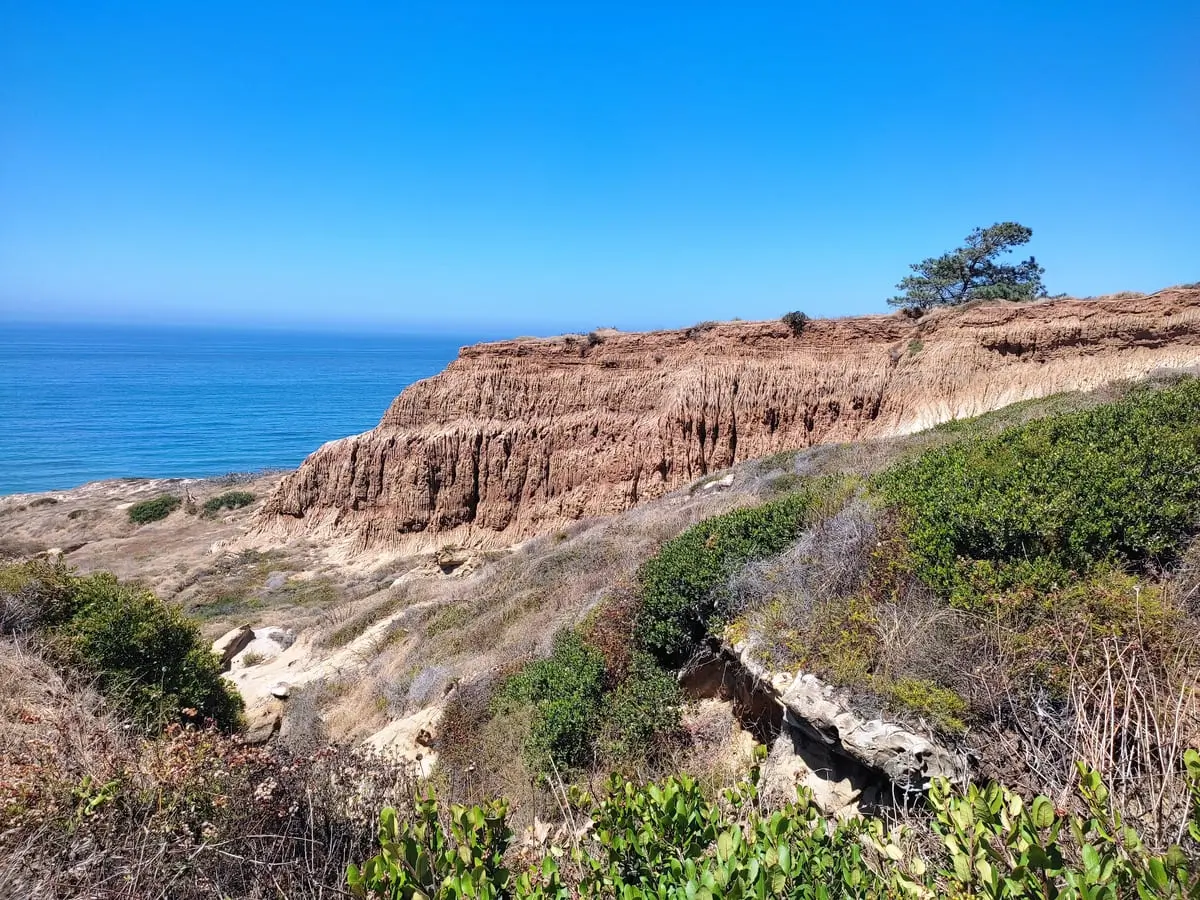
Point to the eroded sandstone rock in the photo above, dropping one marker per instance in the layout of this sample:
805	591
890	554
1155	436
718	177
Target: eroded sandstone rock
230	644
519	437
821	729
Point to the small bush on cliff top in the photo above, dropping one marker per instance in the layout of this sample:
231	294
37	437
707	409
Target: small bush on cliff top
795	320
153	510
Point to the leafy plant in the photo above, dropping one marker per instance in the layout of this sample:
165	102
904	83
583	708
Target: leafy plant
154	510
227	500
999	846
419	860
671	840
682	585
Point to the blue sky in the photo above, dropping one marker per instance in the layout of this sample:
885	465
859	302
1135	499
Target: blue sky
531	167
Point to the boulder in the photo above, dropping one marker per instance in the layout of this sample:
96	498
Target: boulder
410	739
824	741
839	786
262	722
264	644
230	644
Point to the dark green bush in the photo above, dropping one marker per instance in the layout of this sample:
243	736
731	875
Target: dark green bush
564	691
1041	502
153	510
642	712
682	585
583	706
146	657
227	500
795	320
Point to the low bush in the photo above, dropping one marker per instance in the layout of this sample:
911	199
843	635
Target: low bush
564	693
146	657
700	328
944	709
683	586
154	510
594	701
641	714
671	840
1118	485
227	500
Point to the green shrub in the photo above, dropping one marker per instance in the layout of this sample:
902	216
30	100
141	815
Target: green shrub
670	841
682	585
146	657
583	705
1118	484
795	320
564	692
227	500
153	510
944	708
642	712
425	859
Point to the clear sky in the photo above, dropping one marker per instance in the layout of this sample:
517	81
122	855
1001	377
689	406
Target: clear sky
538	166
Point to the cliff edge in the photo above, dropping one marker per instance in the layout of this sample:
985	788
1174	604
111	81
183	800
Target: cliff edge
518	437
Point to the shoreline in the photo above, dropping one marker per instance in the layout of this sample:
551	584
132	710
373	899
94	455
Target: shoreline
229	479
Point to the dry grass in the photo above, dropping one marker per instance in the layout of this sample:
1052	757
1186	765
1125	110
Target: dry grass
88	810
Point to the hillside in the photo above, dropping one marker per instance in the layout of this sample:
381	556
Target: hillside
520	437
881	624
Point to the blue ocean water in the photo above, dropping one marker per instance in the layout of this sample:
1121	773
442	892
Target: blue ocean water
81	403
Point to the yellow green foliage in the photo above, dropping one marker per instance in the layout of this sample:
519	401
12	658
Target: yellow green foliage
672	841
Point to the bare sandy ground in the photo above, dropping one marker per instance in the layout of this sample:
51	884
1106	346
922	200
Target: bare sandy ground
203	562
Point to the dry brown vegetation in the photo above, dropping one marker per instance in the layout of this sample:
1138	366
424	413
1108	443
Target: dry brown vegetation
90	810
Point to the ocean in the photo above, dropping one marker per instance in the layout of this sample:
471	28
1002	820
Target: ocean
81	403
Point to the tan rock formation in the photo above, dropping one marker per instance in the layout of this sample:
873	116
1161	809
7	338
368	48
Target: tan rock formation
518	437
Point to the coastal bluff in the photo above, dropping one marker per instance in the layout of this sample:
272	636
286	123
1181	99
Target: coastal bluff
516	438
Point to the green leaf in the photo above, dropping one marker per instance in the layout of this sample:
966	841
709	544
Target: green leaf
1042	812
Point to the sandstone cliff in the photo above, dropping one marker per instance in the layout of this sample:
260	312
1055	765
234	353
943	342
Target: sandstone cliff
517	437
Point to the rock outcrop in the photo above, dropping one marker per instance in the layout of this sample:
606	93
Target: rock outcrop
819	738
820	723
518	437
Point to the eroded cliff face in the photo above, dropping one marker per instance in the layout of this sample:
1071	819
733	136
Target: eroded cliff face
517	437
